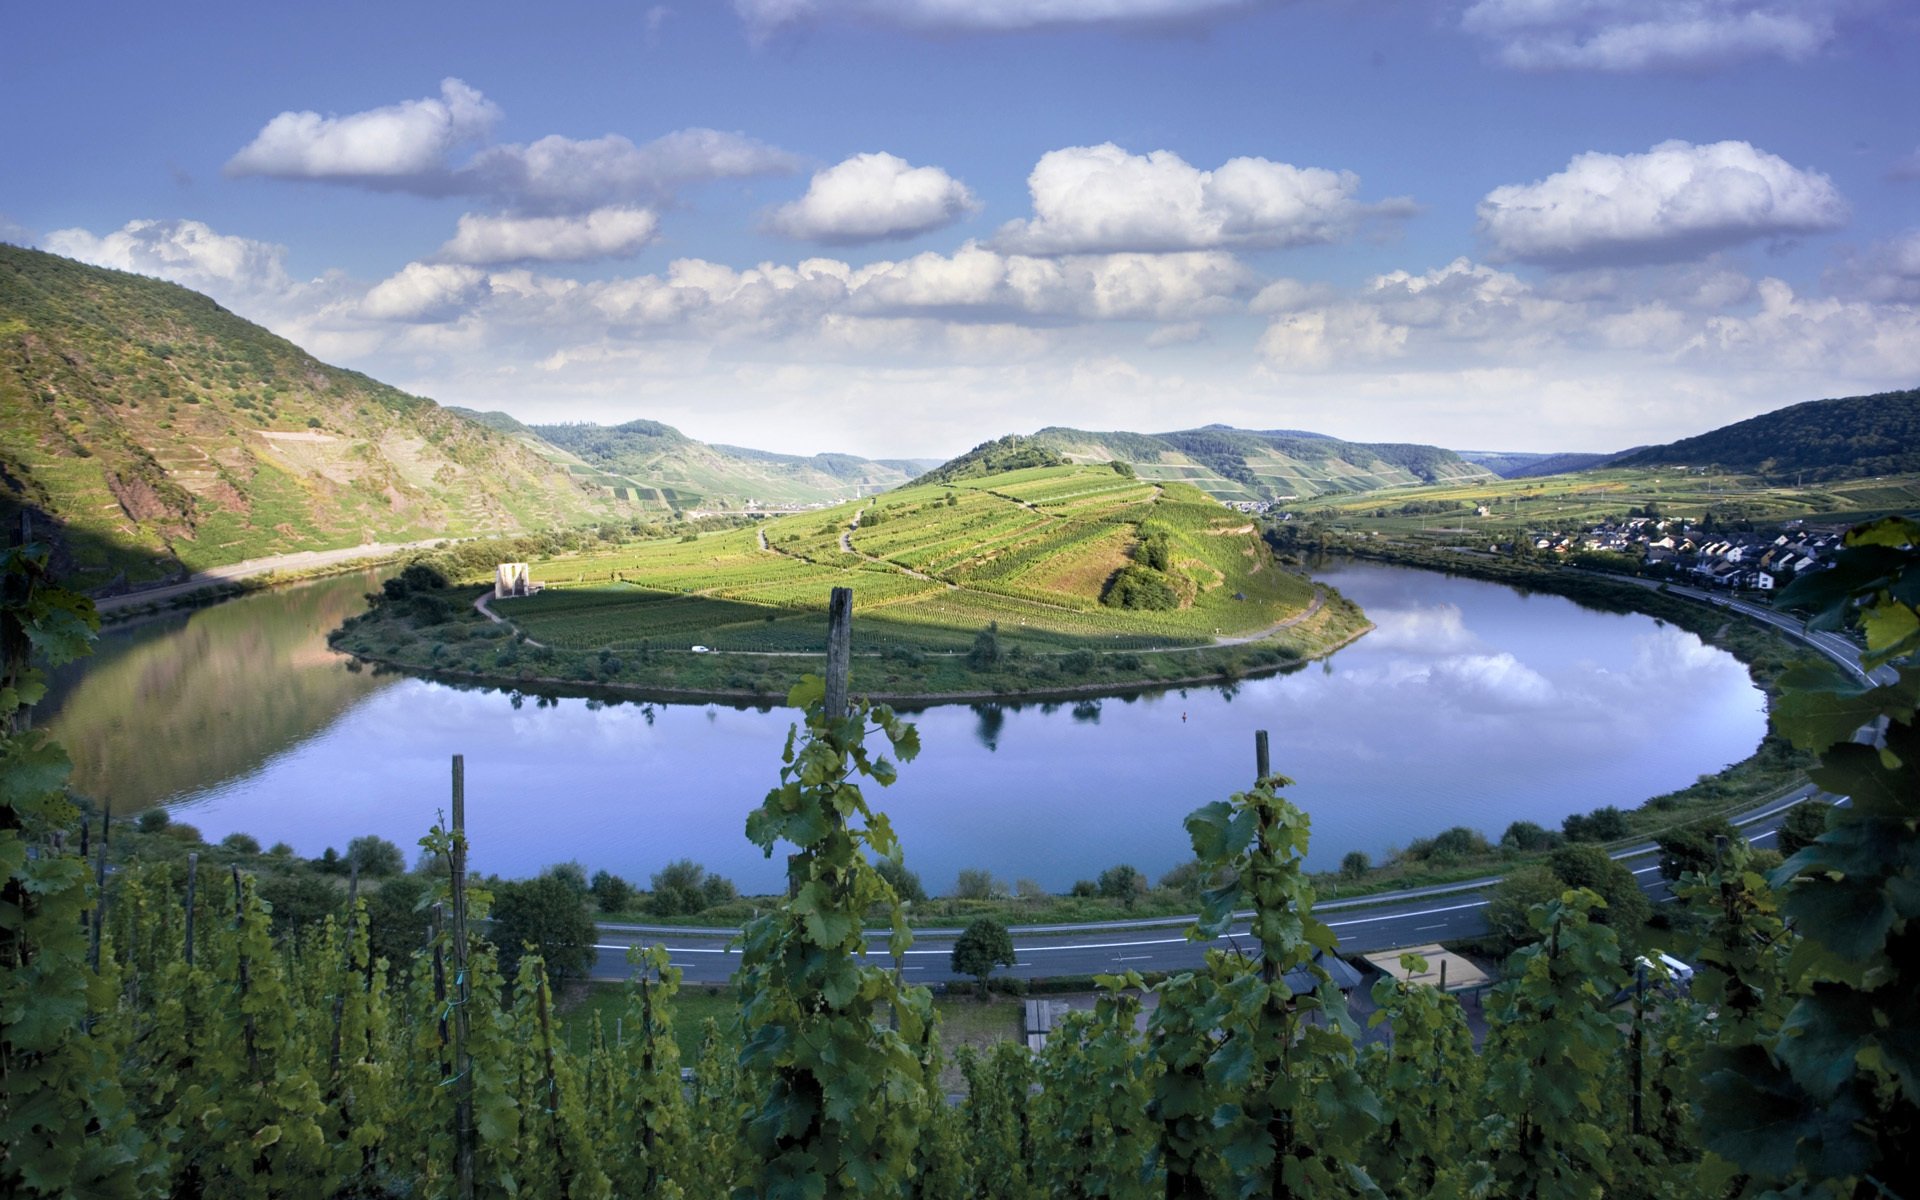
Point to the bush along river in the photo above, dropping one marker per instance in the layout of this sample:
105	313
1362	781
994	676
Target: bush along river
1470	703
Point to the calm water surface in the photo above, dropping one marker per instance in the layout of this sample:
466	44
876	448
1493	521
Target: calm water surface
1469	704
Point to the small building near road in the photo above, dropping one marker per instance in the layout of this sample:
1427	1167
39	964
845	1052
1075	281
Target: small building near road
1445	969
513	579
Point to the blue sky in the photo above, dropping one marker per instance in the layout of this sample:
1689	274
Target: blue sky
900	227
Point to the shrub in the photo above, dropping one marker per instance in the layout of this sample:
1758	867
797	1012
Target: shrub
153	820
241	843
1084	889
905	883
1355	864
374	856
1802	826
1124	883
683	887
180	831
1525	835
974	884
1601	825
1692	847
1459	842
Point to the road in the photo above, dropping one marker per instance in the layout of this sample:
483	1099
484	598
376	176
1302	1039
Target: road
1363	925
304	560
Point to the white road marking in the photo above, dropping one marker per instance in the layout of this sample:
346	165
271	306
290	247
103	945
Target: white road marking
1403	916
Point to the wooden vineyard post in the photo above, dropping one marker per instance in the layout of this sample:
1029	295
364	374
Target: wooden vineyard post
839	650
839	671
462	991
1263	767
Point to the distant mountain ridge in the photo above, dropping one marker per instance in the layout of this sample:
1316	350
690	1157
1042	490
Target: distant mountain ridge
665	465
1241	465
157	432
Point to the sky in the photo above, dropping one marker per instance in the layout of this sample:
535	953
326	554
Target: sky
903	227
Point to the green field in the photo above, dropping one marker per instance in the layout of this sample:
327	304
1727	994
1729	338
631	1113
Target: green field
1565	501
929	567
1032	555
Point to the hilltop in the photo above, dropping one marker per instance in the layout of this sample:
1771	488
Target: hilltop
159	433
1842	438
1236	464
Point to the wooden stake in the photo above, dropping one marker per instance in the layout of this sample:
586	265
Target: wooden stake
839	650
462	990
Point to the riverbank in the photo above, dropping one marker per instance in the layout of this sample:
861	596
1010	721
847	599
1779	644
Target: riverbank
238	579
440	638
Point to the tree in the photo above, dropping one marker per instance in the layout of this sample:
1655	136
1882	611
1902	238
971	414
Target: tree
1124	883
1587	866
975	884
1512	901
1802	827
1693	847
683	887
1601	825
546	914
984	945
611	892
1355	864
986	647
1526	835
375	856
905	883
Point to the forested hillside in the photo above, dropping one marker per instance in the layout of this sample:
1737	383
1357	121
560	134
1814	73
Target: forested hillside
1820	439
1237	464
158	432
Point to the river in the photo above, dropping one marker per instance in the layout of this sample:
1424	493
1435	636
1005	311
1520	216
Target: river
1470	703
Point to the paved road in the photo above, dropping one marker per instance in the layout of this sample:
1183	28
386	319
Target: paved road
1364	925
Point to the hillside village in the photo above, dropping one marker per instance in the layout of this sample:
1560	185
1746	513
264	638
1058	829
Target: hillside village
1755	560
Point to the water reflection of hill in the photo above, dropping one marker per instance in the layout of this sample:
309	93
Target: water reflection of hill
188	703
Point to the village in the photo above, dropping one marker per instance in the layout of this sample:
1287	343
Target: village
1743	560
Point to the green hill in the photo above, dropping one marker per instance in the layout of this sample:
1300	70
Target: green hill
668	467
1246	465
1009	453
1844	438
159	432
1088	577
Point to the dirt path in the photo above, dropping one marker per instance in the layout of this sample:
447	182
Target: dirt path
1319	600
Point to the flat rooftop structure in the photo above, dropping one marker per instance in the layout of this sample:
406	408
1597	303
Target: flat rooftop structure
1459	974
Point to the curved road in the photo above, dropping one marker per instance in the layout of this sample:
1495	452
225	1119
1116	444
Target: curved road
1363	925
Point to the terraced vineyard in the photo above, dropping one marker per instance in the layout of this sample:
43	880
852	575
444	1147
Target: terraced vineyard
930	566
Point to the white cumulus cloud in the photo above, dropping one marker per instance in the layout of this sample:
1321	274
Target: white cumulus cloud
603	233
562	173
992	16
1677	201
189	253
873	197
1094	199
423	292
398	142
1635	35
411	147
